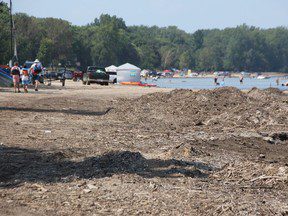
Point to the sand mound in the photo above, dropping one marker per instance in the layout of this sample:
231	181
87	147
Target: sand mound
266	94
219	109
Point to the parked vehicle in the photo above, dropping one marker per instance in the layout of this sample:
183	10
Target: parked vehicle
68	74
262	77
95	74
77	75
112	76
53	75
28	64
153	73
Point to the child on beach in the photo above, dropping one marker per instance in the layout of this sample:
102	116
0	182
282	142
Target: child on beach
15	72
25	79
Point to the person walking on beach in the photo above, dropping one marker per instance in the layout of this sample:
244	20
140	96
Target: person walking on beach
63	77
277	81
241	79
146	76
15	72
25	78
222	83
216	80
35	69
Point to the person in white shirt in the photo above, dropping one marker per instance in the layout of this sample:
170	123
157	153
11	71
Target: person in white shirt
35	70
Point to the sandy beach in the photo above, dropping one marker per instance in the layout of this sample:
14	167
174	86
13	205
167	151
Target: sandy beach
121	150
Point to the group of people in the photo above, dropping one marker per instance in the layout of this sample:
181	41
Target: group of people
241	78
222	83
27	75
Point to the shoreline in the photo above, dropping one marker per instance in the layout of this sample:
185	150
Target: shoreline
235	75
111	90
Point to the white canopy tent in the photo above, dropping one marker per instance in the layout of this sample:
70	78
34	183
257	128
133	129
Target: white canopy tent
111	68
128	73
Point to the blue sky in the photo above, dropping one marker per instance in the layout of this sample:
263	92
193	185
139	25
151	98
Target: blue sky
188	15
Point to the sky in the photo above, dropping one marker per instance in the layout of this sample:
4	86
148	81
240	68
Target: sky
188	15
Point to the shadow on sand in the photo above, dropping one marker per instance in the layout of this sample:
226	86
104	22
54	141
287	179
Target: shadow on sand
68	111
18	165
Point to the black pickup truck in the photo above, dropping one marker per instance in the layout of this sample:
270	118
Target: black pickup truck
95	74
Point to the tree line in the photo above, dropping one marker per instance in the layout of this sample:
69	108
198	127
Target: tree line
108	40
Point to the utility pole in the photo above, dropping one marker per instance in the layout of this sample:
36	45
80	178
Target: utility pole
12	38
11	30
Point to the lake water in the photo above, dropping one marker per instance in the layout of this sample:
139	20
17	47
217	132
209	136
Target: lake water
208	83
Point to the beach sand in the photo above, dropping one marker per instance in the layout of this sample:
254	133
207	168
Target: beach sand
121	150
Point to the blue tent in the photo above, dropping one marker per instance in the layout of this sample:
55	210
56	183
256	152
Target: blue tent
5	78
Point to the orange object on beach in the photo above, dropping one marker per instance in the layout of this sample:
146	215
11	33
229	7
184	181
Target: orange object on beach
130	83
138	84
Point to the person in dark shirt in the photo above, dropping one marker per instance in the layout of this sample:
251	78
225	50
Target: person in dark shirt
15	72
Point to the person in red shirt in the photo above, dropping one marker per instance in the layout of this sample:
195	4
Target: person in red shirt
15	72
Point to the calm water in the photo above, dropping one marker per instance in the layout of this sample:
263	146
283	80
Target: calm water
208	83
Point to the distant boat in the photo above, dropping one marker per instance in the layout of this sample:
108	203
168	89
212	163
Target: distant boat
262	77
245	74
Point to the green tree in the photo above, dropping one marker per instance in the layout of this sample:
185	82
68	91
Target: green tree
29	36
186	60
205	59
198	39
46	51
277	49
60	33
111	43
4	34
149	57
168	56
107	40
81	45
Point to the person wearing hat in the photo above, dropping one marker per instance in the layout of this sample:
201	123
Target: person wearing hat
35	70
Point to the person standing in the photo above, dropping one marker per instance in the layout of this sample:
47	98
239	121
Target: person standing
222	83
63	77
216	80
277	81
25	78
15	72
146	76
35	70
48	76
241	79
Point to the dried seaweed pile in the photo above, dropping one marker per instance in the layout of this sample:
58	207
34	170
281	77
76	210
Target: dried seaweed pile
220	109
219	152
